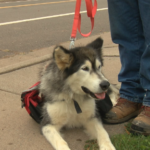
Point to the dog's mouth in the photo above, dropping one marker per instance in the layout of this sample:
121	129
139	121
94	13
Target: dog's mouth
99	96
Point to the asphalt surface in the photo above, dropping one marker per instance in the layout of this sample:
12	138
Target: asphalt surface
20	38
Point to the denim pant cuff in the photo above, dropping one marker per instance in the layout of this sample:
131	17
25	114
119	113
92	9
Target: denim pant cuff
146	104
136	100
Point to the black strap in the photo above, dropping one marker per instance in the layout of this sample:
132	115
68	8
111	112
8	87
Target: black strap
77	107
36	112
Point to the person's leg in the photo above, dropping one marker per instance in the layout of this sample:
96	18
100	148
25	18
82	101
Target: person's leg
127	32
144	6
141	124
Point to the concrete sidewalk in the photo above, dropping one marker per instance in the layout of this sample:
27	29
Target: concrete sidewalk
19	131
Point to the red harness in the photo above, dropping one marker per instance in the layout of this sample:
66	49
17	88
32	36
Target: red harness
32	102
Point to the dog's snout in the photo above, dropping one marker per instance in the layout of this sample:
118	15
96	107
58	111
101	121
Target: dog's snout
104	85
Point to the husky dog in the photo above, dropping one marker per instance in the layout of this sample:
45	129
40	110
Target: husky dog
71	83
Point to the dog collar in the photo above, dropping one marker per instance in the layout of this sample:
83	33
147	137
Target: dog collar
77	107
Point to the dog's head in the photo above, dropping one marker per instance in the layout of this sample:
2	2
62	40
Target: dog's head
82	69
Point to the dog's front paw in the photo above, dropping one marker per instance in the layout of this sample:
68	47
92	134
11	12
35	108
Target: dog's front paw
63	147
107	146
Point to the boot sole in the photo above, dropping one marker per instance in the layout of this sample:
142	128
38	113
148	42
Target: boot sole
139	130
122	120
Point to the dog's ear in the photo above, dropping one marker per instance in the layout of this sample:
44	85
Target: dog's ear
62	57
96	44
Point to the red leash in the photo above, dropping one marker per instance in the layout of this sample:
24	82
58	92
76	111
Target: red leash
91	11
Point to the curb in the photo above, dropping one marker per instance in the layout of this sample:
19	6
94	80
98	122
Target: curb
24	64
40	59
28	63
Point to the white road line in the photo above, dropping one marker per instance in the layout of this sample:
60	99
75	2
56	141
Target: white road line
46	17
19	1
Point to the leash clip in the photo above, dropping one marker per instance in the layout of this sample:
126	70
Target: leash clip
72	42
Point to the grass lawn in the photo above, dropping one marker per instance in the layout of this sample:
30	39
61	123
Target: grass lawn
131	142
124	142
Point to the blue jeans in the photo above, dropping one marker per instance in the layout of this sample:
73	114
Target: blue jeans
130	29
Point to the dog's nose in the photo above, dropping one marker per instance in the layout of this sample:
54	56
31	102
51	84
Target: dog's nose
104	85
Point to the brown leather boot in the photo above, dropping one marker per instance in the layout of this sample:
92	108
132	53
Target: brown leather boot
122	111
141	124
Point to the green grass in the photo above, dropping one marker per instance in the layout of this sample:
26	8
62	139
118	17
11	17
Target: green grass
125	141
131	142
91	145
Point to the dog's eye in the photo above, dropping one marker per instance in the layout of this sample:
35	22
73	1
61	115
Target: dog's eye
85	68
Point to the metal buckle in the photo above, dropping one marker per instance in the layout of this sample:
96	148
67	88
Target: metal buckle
22	104
22	100
72	42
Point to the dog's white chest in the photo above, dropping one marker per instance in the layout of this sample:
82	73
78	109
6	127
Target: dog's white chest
65	113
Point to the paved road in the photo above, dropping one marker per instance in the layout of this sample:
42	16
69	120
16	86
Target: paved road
38	32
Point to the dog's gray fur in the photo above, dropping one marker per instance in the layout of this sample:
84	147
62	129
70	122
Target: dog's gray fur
63	81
